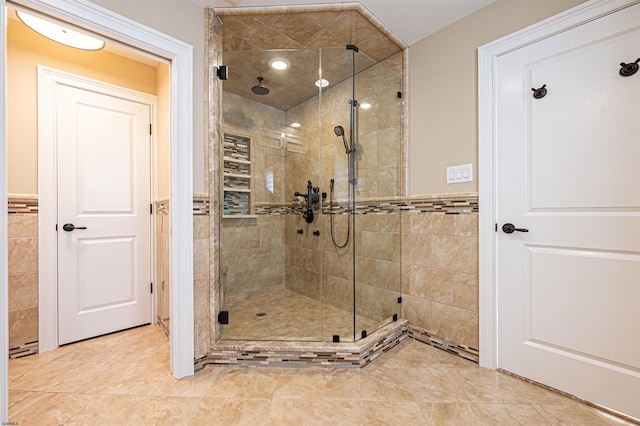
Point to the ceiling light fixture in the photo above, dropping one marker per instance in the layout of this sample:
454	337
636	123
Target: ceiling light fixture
279	64
60	34
322	83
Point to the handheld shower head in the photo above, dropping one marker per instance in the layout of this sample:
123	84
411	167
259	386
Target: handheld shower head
339	131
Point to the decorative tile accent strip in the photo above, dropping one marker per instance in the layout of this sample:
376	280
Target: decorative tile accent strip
449	204
162	207
463	351
25	350
200	205
306	354
22	204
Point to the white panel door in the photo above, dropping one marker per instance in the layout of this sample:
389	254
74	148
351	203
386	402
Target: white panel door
104	269
568	171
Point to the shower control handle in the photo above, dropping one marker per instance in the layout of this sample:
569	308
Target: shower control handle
70	227
300	231
509	228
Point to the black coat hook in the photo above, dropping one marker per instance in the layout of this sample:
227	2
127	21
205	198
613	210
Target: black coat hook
539	93
629	69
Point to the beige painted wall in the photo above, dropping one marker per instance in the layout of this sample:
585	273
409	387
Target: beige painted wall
183	20
443	113
25	51
163	128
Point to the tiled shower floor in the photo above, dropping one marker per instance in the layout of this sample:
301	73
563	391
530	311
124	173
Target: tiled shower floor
292	316
124	378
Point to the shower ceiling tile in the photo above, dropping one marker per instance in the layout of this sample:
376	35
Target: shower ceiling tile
242	26
251	40
325	39
232	42
352	27
297	27
378	47
324	19
268	38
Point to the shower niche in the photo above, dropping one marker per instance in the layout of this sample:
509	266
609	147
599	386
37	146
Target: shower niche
236	176
283	277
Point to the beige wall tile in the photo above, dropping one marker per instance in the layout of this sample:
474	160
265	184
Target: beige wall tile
201	297
23	327
440	288
20	226
455	324
23	291
416	249
200	227
23	255
388	275
200	259
465	291
458	254
417	311
466	225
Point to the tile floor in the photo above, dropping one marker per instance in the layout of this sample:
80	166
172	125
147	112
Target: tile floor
123	379
315	321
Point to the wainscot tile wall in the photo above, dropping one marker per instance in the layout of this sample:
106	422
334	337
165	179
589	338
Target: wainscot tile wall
23	275
440	268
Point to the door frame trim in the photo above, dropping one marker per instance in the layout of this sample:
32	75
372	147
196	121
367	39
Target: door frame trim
112	25
489	216
48	78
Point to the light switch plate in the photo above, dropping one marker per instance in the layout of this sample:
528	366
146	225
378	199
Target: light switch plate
459	174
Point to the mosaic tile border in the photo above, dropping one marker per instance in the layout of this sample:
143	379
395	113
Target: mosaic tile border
462	351
200	205
22	204
448	204
306	354
31	348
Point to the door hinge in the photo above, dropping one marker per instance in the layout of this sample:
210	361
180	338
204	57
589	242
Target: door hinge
496	227
151	288
150	127
151	208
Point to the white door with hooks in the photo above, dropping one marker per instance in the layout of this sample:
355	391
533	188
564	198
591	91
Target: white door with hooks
568	182
104	219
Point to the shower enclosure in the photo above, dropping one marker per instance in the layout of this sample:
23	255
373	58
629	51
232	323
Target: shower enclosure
311	178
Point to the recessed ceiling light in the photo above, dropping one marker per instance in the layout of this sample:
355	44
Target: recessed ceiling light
296	125
279	64
365	105
60	34
322	83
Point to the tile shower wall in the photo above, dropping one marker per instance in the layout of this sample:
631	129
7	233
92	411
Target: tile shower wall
440	273
201	282
23	275
252	249
378	169
201	275
163	275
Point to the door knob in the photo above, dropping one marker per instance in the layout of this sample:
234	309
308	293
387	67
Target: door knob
508	228
70	227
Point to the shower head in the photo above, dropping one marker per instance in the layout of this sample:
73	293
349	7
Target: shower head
339	131
260	89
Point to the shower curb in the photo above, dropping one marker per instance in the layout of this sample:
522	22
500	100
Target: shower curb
305	354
